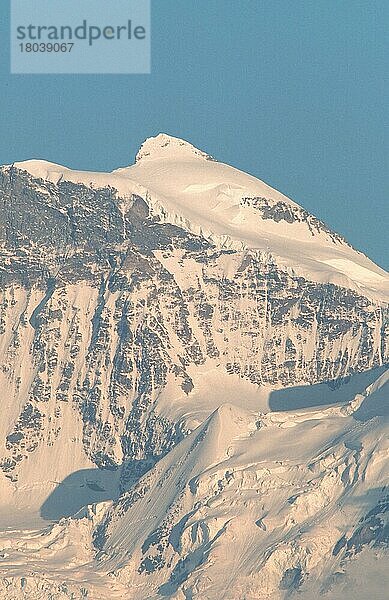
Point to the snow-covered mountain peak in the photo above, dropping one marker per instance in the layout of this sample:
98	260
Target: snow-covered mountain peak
164	146
179	372
231	209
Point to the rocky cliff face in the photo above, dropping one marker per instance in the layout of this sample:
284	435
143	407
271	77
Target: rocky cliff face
103	307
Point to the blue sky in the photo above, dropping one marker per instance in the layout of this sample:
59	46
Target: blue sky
295	93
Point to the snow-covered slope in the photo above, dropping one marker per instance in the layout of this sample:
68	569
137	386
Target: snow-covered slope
240	509
186	187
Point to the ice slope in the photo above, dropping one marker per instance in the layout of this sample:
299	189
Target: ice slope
240	509
184	186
